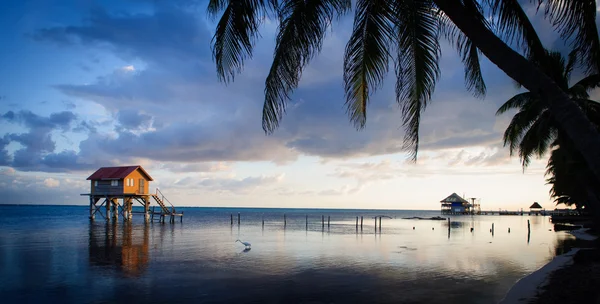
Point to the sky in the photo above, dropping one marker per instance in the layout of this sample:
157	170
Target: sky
86	84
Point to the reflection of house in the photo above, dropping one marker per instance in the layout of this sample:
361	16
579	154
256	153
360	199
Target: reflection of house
127	251
454	204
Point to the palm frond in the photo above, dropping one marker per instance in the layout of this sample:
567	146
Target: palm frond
589	83
571	62
516	102
514	24
236	32
537	139
300	37
417	64
468	52
367	57
577	19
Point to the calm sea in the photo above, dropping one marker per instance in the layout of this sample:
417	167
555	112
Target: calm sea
54	254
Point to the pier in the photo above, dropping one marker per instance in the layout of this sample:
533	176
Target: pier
114	191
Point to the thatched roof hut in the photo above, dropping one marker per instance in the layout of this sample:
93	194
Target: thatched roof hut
535	206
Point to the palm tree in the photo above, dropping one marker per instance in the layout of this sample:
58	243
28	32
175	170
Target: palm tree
533	129
571	180
406	32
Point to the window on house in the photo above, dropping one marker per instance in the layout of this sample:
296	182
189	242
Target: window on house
132	182
96	183
127	182
114	183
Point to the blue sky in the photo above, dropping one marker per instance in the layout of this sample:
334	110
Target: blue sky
85	84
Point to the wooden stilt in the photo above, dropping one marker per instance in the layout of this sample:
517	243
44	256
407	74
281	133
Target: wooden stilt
232	219
92	208
307	222
238	218
322	222
284	221
107	206
357	223
361	223
375	224
380	224
328	221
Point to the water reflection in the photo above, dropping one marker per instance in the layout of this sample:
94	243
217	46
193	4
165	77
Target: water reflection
117	245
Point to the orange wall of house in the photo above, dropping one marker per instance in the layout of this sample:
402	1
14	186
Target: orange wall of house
136	175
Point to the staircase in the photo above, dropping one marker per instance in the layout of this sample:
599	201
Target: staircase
166	207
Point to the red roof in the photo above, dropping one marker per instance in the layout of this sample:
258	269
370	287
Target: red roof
117	173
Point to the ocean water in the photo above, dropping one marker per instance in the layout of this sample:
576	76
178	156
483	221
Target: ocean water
54	254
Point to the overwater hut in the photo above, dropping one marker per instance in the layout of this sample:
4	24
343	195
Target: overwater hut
454	204
535	208
117	188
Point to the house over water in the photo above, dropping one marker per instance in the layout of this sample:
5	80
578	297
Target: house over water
118	188
454	204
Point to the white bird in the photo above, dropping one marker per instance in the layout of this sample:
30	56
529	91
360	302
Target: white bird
245	243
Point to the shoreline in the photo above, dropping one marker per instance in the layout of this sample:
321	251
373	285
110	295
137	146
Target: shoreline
527	289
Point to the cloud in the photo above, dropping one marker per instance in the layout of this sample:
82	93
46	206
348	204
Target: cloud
232	185
196	167
174	110
51	183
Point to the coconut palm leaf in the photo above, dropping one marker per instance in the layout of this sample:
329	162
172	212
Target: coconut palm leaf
468	52
576	19
417	64
516	102
514	24
300	37
236	32
367	57
589	83
537	139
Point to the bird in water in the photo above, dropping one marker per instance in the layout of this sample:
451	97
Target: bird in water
244	243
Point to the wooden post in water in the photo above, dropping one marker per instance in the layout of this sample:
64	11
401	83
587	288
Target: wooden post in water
263	221
357	223
328	221
238	218
380	223
107	206
284	221
528	227
375	224
322	222
492	228
307	222
232	219
181	218
361	223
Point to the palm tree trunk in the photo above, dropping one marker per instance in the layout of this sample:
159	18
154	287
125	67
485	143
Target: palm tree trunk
568	115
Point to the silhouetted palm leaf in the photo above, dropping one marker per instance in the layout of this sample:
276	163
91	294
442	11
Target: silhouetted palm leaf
515	25
417	64
516	102
236	31
300	37
577	19
367	57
